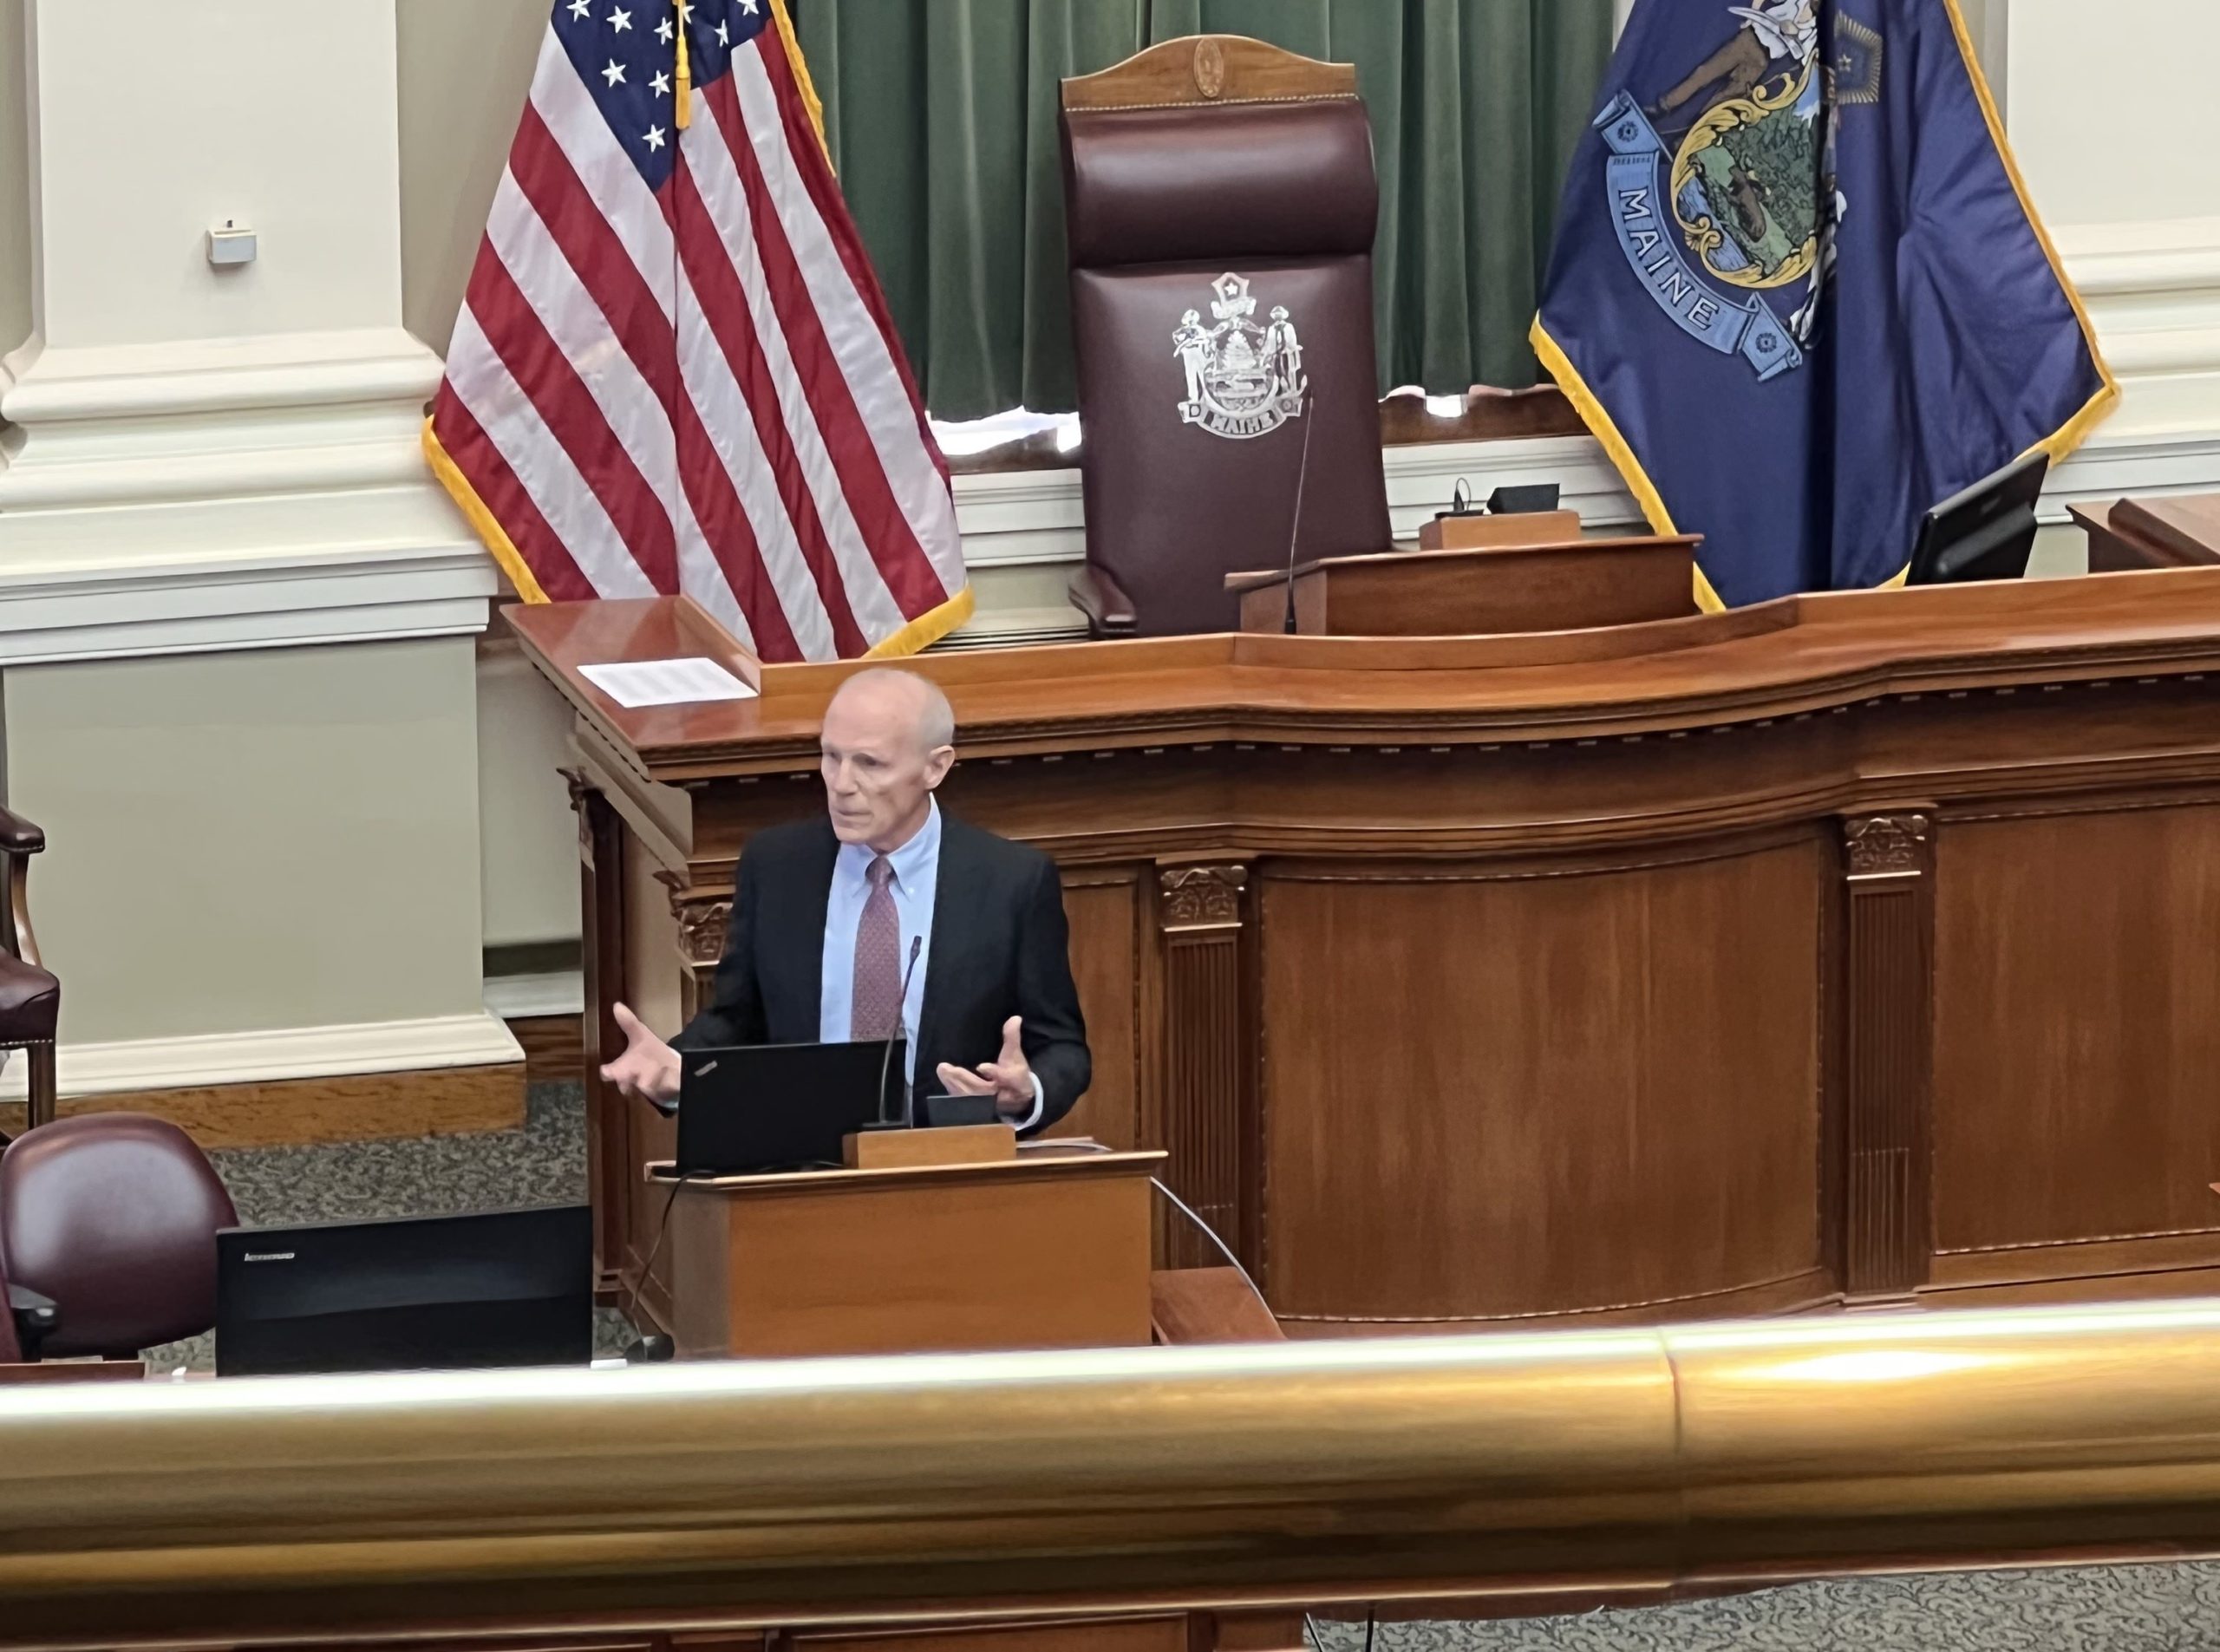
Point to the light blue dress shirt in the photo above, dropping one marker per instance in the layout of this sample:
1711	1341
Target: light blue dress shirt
917	881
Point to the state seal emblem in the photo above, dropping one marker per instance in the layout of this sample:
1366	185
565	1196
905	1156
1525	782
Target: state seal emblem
1724	188
1244	379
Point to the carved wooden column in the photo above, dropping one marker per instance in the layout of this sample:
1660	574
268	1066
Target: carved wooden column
1889	989
1209	1076
601	909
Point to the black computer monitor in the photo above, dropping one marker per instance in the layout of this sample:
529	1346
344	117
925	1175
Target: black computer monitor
498	1288
1986	532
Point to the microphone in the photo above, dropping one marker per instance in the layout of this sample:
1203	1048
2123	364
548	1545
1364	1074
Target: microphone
887	1059
1302	470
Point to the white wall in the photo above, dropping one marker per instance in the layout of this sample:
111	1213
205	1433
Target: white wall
137	272
238	617
464	69
15	182
528	854
183	891
2110	108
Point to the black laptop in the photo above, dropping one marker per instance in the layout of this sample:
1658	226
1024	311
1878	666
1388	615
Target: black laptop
496	1287
756	1108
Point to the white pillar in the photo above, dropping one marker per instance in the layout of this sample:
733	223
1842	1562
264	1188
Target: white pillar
262	865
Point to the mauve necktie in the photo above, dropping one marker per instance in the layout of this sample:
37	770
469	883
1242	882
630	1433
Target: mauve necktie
876	1010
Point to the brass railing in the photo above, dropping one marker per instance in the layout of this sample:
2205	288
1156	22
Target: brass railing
1328	1472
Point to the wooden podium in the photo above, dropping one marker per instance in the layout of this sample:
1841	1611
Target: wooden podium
1048	1250
1481	575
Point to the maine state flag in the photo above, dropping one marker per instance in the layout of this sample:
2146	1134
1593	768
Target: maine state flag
1799	291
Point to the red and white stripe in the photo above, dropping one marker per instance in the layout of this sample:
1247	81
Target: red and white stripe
700	392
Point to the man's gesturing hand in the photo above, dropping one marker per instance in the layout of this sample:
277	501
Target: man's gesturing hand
1008	1078
647	1068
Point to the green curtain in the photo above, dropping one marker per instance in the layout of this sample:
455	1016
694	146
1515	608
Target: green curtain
941	117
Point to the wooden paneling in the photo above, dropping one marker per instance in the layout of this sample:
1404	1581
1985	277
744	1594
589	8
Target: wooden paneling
1504	1095
662	996
601	916
2077	1028
1105	909
1605	974
1039	1252
554	1046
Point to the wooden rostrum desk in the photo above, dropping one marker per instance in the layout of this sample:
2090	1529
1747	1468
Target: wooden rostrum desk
1853	947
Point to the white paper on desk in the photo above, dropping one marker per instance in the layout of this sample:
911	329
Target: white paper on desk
666	682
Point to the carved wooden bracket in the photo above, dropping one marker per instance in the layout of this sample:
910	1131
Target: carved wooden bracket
1886	845
1202	897
700	929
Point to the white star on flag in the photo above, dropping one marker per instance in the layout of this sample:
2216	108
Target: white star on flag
654	137
620	20
724	36
748	6
661	84
664	31
614	73
579	8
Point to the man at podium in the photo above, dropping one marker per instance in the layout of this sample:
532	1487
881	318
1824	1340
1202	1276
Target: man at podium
885	915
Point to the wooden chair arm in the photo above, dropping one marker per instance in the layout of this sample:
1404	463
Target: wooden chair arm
17	835
1109	611
19	841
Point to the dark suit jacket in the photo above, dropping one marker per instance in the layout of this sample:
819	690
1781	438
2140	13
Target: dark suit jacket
1000	948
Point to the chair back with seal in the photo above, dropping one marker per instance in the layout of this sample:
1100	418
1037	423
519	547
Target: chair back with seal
1219	202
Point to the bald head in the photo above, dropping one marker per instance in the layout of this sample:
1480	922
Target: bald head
887	743
917	700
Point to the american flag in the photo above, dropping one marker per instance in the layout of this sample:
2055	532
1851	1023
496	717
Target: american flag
674	370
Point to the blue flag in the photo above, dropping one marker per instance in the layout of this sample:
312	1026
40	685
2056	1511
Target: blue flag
1799	291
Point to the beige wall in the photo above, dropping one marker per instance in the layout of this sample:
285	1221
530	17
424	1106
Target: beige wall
465	68
243	129
244	841
15	182
529	856
2107	106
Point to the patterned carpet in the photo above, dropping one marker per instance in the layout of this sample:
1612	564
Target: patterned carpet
2121	1609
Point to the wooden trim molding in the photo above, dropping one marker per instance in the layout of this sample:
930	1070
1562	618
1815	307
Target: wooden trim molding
298	1113
277	1055
1209	69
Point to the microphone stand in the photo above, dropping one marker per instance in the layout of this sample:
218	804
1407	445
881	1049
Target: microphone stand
886	1057
1295	528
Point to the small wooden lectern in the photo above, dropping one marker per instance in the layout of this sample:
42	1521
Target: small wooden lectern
2135	534
1042	1250
1479	574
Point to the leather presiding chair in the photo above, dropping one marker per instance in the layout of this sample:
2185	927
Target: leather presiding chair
1219	202
30	998
114	1218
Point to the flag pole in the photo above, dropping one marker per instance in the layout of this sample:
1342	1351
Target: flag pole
685	72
